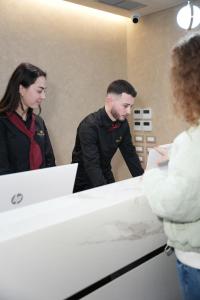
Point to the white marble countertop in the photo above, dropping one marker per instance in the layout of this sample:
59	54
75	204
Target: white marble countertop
61	246
19	221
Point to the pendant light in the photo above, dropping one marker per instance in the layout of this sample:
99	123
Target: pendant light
188	16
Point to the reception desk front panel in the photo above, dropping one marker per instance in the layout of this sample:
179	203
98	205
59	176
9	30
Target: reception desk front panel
56	249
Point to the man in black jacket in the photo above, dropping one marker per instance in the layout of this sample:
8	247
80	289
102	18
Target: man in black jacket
100	134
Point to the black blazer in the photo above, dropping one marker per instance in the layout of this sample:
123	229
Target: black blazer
95	146
15	146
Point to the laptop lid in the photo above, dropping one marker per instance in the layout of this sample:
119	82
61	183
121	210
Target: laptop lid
25	188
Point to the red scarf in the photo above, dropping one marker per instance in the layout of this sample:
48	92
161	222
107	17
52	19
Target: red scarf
35	155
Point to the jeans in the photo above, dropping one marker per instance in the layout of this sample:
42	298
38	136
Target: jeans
189	279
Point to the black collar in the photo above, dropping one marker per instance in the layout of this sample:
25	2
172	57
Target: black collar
105	121
27	122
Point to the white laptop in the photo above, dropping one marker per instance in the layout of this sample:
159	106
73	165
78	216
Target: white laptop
25	188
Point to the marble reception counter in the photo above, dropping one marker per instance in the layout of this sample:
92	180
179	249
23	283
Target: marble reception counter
56	249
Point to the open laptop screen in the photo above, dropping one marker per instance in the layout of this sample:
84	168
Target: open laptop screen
25	188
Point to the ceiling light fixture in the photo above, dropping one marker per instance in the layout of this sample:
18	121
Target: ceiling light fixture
188	16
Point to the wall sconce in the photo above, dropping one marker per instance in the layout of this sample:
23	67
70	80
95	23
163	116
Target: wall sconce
188	16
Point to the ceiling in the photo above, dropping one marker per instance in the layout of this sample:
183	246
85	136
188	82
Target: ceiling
128	7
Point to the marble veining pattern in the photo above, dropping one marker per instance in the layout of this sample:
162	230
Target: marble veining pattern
124	231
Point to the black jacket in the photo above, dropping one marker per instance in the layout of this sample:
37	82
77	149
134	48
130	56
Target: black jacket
95	146
15	146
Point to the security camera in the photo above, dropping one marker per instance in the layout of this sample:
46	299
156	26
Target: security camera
135	18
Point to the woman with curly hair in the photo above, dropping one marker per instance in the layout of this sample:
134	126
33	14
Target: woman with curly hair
175	196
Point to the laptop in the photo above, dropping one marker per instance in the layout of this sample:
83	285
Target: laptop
25	188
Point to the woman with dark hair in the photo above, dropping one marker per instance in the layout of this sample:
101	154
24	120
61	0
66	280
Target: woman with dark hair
24	140
175	197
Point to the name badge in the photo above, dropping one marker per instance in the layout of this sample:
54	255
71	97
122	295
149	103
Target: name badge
40	133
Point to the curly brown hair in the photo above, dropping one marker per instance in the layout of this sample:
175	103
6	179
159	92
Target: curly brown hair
185	78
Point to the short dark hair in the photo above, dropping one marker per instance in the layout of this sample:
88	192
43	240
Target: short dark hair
121	86
25	74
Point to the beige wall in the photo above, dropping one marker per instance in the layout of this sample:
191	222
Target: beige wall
83	50
148	54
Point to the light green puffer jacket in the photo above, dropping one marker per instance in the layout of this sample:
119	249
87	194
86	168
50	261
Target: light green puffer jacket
175	196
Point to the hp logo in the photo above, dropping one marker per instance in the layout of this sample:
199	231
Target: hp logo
17	198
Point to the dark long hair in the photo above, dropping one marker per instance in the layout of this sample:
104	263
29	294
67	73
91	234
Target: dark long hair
25	74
